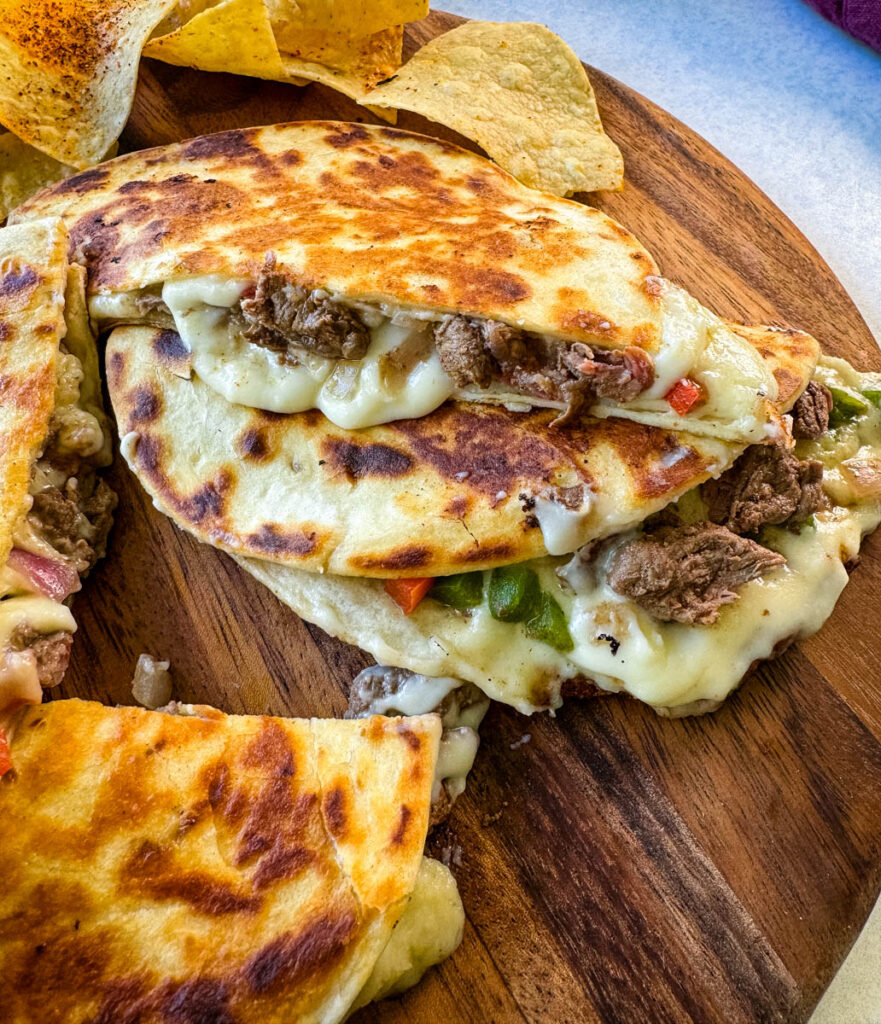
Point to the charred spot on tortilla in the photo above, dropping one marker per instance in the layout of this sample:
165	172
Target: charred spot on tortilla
17	279
145	405
271	539
334	807
253	444
401	827
343	138
360	460
83	181
406	557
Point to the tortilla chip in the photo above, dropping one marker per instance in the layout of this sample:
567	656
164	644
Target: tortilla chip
233	36
24	171
519	92
68	70
346	17
369	58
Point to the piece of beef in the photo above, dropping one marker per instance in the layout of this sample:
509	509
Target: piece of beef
810	415
686	573
74	524
619	375
476	351
51	651
282	316
462	353
767	485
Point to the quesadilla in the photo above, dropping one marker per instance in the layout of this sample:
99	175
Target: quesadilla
211	867
54	512
467	486
373	274
674	612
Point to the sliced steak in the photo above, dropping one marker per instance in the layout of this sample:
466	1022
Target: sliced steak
686	573
477	351
810	415
282	316
463	355
767	485
51	652
75	525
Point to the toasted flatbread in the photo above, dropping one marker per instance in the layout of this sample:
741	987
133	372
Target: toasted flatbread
33	272
423	497
618	647
205	866
52	439
398	233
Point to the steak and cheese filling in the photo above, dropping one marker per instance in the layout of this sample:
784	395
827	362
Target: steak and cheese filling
55	544
674	612
271	344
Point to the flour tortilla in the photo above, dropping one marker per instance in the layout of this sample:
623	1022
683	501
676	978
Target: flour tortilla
425	497
677	668
33	274
380	216
203	864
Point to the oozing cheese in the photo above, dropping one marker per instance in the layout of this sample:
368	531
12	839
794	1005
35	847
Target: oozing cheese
420	695
619	646
401	375
428	931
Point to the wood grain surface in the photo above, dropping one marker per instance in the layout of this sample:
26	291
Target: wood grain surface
615	866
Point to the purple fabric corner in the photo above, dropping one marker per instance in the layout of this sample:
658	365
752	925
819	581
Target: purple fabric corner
861	18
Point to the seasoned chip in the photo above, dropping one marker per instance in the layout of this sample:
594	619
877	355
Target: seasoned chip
346	17
68	70
522	94
370	58
234	36
25	170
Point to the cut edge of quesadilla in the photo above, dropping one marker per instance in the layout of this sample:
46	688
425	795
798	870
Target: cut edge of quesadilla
465	487
54	512
676	624
274	867
435	275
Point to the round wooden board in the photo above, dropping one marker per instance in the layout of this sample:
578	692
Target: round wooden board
615	866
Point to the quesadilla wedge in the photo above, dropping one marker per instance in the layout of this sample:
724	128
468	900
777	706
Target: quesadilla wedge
54	512
466	486
373	274
215	867
674	612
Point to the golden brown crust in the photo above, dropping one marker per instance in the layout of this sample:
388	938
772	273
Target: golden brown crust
369	212
33	270
248	867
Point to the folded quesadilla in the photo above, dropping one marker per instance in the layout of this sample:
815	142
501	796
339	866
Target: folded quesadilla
54	512
466	486
373	274
674	612
694	567
209	867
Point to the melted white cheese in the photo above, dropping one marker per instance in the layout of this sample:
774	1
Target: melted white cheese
427	932
562	528
364	392
419	694
352	393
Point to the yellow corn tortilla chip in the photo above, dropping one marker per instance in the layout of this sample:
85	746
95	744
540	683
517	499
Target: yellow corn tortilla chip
369	58
68	70
519	92
24	171
234	36
347	17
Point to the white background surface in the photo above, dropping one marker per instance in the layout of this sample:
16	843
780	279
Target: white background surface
796	104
